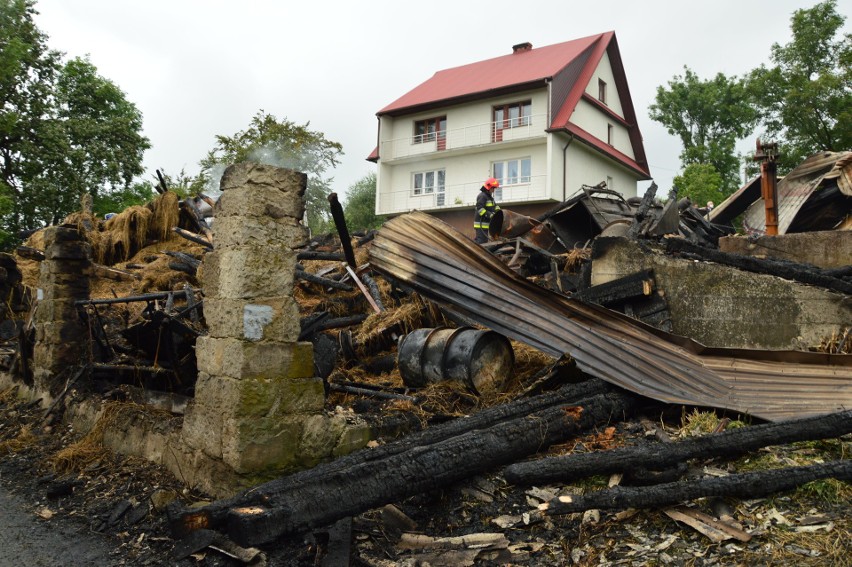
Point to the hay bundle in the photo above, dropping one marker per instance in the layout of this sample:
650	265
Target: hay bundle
165	216
123	235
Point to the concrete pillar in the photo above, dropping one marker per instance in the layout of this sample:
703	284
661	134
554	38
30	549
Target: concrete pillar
60	334
256	388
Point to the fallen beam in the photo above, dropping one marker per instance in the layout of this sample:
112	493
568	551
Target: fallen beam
658	456
357	489
746	485
215	514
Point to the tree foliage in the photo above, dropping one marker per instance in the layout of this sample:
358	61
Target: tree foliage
708	117
64	129
360	205
283	144
805	97
701	183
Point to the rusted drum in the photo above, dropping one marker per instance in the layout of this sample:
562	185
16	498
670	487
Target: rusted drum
482	360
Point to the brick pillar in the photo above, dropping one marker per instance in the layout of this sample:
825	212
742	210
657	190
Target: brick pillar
256	387
60	335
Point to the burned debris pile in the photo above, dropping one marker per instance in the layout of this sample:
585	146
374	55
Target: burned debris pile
534	360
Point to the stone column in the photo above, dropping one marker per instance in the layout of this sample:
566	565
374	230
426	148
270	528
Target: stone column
256	386
60	334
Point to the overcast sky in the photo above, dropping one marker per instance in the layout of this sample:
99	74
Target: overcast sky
198	68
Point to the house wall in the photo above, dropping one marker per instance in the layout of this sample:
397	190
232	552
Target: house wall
604	72
467	159
585	166
595	122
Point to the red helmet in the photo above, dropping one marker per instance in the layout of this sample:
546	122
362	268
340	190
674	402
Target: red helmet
491	183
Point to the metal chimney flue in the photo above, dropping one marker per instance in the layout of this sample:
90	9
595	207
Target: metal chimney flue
766	154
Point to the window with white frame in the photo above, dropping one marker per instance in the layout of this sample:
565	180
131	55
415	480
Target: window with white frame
429	182
511	172
602	91
609	183
512	115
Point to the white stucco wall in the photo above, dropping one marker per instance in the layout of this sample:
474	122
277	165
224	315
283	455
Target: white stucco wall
595	122
604	72
588	167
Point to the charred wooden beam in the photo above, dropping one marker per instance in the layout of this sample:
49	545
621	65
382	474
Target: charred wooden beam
215	514
161	187
192	237
319	255
325	323
325	282
728	444
784	269
184	258
352	491
197	219
640	284
746	485
342	230
131	298
113	273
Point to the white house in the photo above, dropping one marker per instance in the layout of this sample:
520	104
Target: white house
543	121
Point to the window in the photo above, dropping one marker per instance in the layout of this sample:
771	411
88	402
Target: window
602	91
428	182
609	134
430	130
511	116
511	172
609	184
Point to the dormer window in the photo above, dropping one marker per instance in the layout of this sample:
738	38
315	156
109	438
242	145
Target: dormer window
430	129
602	91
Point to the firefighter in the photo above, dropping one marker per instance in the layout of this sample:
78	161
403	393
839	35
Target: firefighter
485	209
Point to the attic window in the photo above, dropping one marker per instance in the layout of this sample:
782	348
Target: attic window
609	134
602	91
430	129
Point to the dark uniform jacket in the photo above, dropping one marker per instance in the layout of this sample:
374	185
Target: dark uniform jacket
485	209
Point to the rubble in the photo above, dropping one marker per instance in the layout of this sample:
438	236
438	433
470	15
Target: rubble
432	431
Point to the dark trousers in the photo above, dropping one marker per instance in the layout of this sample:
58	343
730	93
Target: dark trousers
481	235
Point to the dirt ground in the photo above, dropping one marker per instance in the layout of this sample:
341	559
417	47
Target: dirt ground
112	512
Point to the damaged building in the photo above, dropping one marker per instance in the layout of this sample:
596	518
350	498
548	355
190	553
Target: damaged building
311	380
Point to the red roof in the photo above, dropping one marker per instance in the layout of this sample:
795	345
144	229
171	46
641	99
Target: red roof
569	66
495	74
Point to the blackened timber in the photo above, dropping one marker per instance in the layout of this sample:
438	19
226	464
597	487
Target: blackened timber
192	237
728	444
325	282
784	269
198	219
319	255
30	253
747	485
184	258
640	284
342	231
339	322
354	490
214	514
131	298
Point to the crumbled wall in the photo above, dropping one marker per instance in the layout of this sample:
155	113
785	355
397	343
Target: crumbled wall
824	249
721	306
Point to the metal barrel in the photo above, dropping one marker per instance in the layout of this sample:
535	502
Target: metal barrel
482	360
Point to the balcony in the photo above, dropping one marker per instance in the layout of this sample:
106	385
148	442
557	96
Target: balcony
457	196
475	136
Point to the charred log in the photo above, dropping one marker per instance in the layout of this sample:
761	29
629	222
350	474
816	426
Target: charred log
729	444
215	514
746	485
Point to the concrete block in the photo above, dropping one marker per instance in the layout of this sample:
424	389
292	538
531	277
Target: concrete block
243	359
55	310
248	272
272	319
261	232
260	203
824	249
252	445
260	176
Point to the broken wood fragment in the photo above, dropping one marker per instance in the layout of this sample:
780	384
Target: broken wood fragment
716	530
428	459
747	485
342	230
730	443
325	282
192	237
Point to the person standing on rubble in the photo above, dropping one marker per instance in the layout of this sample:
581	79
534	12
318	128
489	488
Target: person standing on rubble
485	209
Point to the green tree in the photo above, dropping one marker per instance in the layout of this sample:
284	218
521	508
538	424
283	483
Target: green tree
360	205
116	201
709	117
64	130
805	97
283	144
701	183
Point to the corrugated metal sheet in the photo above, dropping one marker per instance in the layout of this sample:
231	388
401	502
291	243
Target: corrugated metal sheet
448	268
798	186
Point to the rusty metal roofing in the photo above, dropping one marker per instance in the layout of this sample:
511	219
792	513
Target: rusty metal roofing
796	188
446	267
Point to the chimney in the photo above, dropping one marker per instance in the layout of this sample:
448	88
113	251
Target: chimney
521	47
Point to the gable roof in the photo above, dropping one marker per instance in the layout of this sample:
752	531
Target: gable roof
569	66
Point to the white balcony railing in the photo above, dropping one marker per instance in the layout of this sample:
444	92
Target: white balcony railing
398	201
468	137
